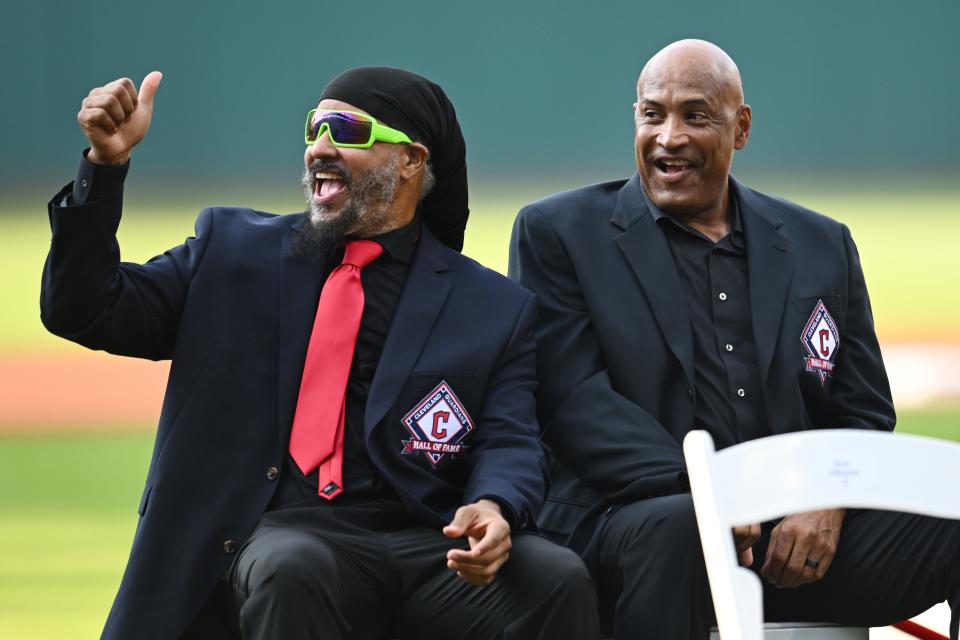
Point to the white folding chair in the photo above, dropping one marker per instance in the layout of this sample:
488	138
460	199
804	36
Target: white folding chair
763	479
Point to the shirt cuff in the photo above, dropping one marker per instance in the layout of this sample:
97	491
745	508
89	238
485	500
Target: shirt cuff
97	181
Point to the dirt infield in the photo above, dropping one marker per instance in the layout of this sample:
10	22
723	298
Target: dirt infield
92	391
86	390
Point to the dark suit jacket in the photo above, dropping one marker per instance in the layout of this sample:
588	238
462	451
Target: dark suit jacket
235	315
615	348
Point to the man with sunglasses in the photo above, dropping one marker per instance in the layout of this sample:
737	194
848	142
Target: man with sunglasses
348	445
681	299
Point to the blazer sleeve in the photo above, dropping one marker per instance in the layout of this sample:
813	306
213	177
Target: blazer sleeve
611	443
90	297
859	395
507	462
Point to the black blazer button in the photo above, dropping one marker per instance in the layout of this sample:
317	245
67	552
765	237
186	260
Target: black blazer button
272	473
229	546
690	394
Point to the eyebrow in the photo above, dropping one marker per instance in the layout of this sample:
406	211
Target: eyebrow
686	103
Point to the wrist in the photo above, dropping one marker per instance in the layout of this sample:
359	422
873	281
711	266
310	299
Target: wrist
97	158
492	504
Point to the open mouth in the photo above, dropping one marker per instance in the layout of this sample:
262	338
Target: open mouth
327	186
673	169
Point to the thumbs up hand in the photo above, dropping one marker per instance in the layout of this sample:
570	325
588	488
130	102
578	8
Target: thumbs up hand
116	117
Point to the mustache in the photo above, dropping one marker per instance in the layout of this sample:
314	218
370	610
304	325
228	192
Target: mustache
320	166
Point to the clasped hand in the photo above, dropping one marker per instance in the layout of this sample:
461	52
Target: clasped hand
489	536
801	549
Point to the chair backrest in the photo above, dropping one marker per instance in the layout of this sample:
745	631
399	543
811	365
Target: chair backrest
771	477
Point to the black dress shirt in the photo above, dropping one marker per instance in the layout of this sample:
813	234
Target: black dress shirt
383	281
728	401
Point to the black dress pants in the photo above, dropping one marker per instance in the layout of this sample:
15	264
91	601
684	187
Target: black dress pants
652	583
369	571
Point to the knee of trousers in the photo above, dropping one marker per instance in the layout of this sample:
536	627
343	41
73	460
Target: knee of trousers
664	526
290	563
554	567
953	536
565	569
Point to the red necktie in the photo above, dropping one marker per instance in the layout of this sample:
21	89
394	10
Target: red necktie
316	439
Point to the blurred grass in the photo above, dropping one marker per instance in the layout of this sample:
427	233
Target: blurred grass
67	515
68	512
905	240
943	424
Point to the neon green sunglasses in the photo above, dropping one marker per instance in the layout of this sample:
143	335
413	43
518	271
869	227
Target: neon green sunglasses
350	129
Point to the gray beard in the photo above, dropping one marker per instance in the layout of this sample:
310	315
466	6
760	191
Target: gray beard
365	213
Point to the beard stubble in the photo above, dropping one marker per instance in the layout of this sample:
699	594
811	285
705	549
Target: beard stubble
365	213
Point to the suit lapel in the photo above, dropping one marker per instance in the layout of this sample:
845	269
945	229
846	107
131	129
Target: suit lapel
648	254
770	266
299	292
421	302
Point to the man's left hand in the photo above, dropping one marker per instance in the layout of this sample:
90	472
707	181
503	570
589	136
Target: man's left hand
802	547
489	536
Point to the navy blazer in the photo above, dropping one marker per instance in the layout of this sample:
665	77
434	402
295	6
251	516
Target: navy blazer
616	357
234	314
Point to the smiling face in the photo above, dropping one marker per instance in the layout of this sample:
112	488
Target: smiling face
689	119
357	183
357	193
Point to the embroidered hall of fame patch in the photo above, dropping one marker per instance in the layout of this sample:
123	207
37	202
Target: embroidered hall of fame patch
821	338
438	424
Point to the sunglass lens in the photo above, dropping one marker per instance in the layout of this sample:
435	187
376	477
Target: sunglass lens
344	128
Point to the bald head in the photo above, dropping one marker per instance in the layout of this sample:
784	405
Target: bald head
696	62
690	118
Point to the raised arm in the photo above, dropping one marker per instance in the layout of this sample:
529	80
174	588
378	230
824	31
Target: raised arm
88	295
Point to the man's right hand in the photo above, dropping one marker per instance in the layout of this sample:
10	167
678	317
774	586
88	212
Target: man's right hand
116	117
743	539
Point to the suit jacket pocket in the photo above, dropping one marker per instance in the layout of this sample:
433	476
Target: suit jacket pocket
832	301
436	414
421	387
821	331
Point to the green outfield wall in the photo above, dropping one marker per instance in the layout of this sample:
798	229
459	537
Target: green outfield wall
542	87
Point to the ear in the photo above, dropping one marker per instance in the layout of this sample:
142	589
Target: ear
744	120
413	160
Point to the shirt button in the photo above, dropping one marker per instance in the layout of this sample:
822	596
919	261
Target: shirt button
741	392
722	296
729	347
229	546
272	473
83	183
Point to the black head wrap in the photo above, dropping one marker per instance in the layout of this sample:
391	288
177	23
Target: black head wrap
421	109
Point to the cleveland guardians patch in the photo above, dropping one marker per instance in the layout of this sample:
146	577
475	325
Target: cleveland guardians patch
822	341
438	424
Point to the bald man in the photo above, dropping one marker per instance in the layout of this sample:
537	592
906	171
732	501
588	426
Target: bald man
680	299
